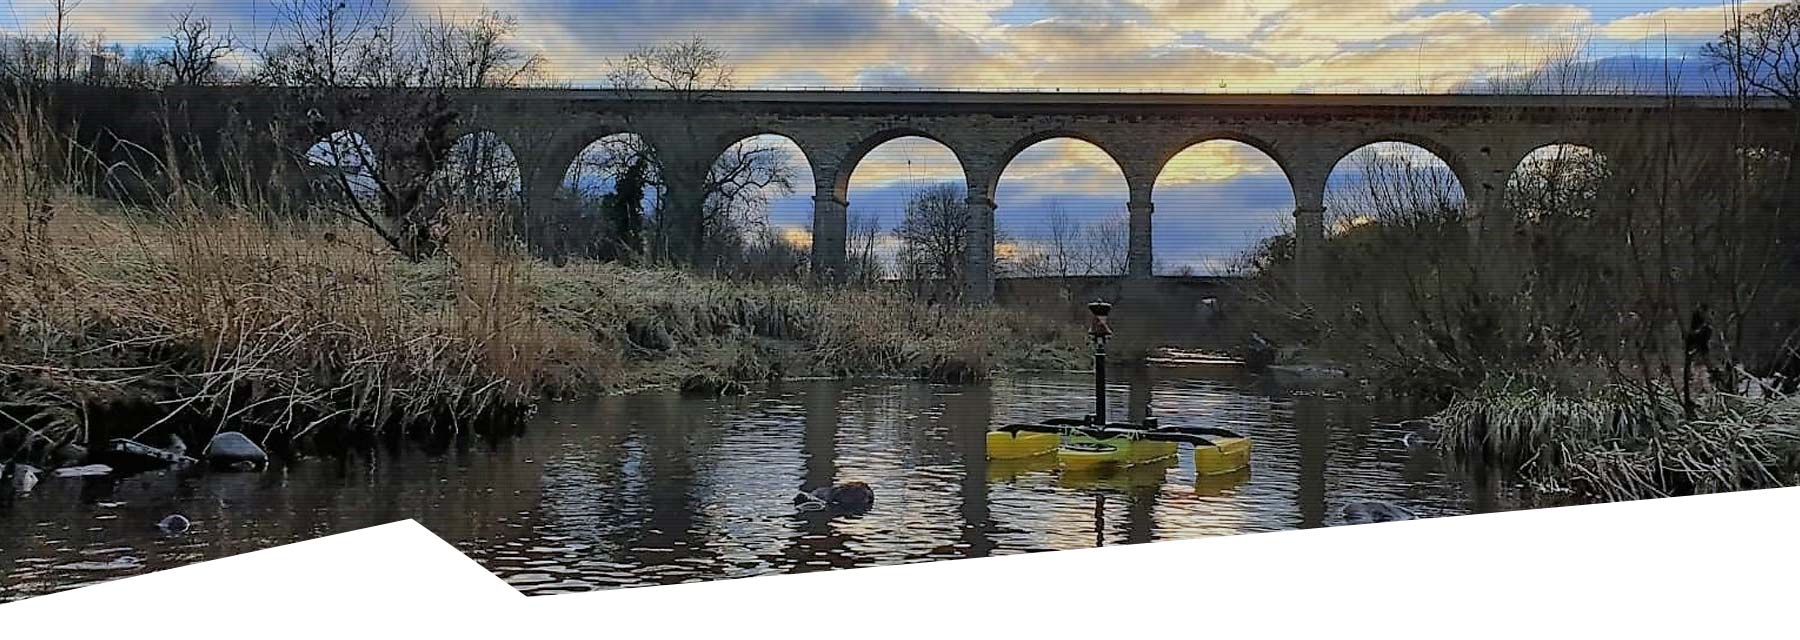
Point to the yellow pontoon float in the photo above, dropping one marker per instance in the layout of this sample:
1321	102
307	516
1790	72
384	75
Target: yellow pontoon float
1092	443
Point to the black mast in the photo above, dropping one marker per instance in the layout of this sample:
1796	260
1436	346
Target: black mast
1099	331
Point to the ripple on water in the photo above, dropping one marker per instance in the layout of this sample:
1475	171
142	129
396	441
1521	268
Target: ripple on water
661	488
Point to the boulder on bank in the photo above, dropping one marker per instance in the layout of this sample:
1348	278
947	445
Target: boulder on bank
233	450
1371	511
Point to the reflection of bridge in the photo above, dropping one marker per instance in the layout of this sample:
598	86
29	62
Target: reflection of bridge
1481	138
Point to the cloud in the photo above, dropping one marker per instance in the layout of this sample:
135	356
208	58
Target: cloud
1216	161
1678	22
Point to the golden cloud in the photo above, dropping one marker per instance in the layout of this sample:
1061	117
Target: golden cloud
797	237
1215	161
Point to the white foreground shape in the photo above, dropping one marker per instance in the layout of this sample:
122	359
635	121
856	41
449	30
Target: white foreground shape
393	578
1710	566
1687	568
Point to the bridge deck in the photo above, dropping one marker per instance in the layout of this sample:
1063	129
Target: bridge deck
1054	98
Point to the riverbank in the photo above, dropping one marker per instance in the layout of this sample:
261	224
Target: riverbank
120	323
1596	343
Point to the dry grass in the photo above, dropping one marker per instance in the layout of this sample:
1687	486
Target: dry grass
225	320
1618	442
191	314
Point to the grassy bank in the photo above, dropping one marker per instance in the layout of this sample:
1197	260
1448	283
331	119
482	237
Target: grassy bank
1611	328
1619	442
117	323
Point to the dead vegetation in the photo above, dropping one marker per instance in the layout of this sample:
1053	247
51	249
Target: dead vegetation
193	314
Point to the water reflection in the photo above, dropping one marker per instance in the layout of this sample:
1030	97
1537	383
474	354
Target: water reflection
660	488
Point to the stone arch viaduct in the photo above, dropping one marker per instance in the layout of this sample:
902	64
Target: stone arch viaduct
1481	138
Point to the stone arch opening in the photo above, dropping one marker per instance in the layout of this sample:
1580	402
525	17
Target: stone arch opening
344	164
479	171
759	207
1393	183
907	214
604	206
1061	212
1222	208
1557	180
909	140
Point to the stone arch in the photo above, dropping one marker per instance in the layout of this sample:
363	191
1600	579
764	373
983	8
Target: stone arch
895	181
1259	144
1554	175
1074	222
480	166
610	140
570	190
853	158
347	153
1208	218
1005	159
1433	192
803	183
815	156
1456	160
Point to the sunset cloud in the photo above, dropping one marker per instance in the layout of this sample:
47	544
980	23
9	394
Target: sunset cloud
1213	201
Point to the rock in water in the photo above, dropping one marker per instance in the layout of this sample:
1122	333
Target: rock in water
24	478
852	495
174	524
82	471
1375	511
232	450
129	456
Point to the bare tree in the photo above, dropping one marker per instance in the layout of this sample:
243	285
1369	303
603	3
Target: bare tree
689	70
1761	54
739	188
934	237
1762	51
703	206
1109	243
480	171
862	253
478	53
62	38
354	66
1563	66
194	51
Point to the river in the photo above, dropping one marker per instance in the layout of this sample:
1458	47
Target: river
661	488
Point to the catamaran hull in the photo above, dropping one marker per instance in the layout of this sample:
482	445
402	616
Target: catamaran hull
1226	455
1021	445
1082	452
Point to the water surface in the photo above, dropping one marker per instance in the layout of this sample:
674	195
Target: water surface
663	488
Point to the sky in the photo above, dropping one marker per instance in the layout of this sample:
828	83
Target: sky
1214	202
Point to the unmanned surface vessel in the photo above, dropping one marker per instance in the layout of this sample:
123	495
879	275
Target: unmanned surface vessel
1091	443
